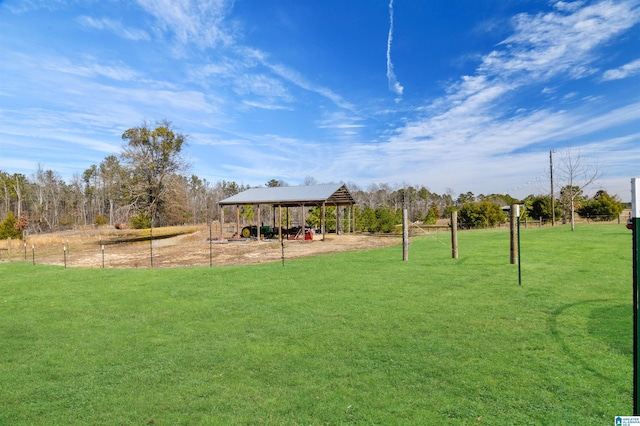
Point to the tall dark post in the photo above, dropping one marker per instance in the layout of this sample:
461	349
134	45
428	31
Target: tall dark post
519	258
635	228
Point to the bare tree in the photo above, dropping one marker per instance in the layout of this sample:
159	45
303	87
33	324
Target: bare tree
575	176
49	191
310	180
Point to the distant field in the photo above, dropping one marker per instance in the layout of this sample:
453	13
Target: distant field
345	338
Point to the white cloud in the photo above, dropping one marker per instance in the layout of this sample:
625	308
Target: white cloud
628	70
340	120
394	85
296	78
260	85
115	27
542	46
264	105
92	69
546	45
245	71
568	6
199	22
471	129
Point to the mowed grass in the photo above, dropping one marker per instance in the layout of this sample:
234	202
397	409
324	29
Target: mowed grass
348	338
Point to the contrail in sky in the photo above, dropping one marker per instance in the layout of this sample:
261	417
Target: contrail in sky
394	86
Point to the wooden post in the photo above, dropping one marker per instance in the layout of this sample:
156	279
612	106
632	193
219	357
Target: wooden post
280	223
353	218
514	234
259	227
238	221
347	220
405	235
454	234
221	222
304	226
337	219
323	220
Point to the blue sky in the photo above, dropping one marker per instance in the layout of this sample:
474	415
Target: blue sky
457	96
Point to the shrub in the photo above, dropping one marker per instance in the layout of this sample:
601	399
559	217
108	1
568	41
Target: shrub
101	220
9	227
481	214
432	216
602	207
386	219
140	221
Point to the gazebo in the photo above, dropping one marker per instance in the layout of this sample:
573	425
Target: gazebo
293	196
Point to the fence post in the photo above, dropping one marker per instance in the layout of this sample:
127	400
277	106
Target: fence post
454	234
405	235
514	234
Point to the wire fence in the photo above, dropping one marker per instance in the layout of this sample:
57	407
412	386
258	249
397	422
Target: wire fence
202	245
198	246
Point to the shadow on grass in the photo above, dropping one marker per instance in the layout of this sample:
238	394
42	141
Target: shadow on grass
613	325
610	325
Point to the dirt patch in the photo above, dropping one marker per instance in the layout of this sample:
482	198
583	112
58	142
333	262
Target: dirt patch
95	247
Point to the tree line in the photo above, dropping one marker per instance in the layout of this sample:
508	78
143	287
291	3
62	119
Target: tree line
146	185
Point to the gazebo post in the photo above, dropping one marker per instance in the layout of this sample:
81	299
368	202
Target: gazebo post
347	220
238	220
259	227
323	220
221	221
304	226
274	215
337	219
353	217
280	222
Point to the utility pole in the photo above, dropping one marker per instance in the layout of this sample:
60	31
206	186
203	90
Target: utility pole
553	201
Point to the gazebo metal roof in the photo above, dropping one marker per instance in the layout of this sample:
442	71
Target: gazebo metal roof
291	196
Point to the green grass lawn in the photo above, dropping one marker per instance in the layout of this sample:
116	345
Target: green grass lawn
348	338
